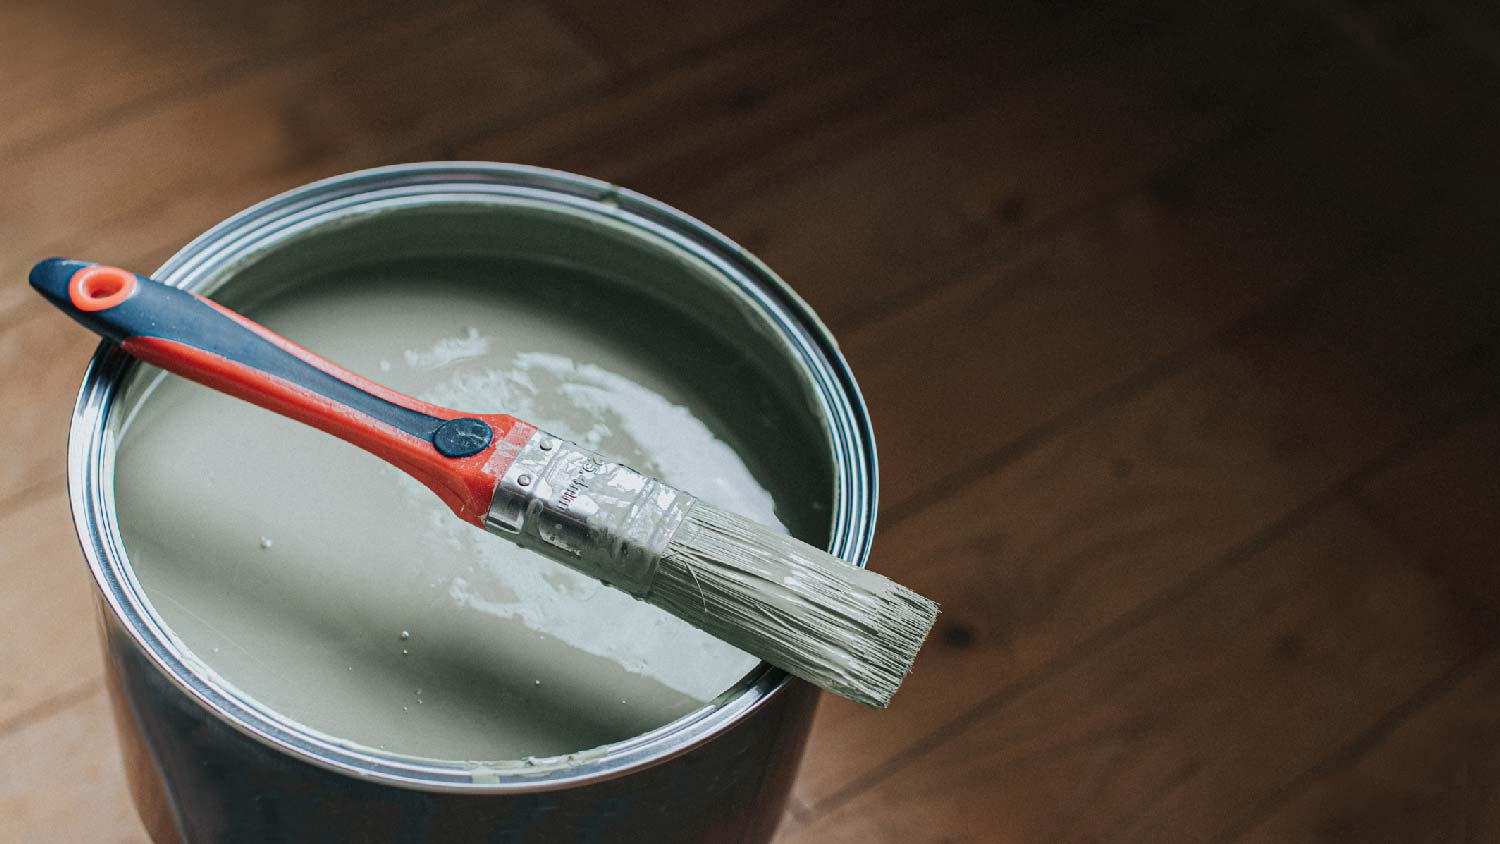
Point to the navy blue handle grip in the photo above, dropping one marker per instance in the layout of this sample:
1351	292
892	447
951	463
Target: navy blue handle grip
124	307
152	310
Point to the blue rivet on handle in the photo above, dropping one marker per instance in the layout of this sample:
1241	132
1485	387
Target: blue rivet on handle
462	437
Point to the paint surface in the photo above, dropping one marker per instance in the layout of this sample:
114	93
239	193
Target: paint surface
338	592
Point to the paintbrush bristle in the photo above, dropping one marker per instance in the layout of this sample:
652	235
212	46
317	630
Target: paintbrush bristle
843	628
836	625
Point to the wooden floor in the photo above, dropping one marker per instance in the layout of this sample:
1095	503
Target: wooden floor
1203	297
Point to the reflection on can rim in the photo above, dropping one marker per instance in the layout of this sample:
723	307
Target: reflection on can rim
91	450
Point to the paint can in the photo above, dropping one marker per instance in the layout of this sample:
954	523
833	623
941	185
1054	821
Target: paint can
206	764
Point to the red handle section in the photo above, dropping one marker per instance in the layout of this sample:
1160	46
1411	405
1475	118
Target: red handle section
459	456
466	484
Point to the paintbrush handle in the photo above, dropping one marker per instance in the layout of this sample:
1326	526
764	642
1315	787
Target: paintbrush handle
850	631
460	457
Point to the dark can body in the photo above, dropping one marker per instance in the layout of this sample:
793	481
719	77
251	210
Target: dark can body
206	765
226	788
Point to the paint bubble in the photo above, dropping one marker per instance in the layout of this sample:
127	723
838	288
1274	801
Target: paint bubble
405	652
405	634
265	542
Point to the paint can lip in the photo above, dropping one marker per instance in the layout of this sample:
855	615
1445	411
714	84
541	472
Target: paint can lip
91	456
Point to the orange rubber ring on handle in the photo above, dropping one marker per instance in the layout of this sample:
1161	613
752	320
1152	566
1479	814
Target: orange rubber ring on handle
100	288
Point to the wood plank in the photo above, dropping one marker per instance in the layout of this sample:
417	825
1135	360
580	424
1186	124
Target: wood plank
1429	772
153	228
810	85
51	646
976	184
1431	777
136	190
1005	351
42	360
1182	725
1441	506
1070	533
62	779
814	79
1035	114
1073	535
1136	282
67	65
1209	238
147	235
643	33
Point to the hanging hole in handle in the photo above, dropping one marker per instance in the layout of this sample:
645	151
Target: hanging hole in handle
100	288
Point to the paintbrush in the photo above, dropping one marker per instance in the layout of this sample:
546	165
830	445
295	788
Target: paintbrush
843	628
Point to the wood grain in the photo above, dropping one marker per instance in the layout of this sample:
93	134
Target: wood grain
1433	777
54	355
62	779
971	184
147	235
1281	657
790	91
1441	506
1059	538
69	66
1201	295
1024	342
1053	547
1358	348
50	650
641	33
1036	116
1429	771
139	188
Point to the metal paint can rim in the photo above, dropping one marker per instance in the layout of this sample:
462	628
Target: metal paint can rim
91	454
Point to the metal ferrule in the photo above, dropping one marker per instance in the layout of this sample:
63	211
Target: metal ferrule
601	518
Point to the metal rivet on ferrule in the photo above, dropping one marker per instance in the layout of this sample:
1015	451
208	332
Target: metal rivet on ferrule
549	444
524	480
